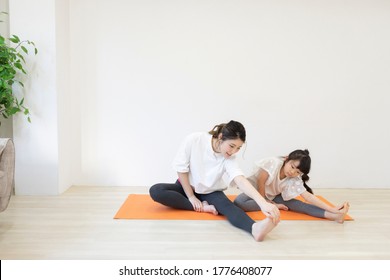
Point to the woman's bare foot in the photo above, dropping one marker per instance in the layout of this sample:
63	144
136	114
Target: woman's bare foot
209	208
262	228
340	217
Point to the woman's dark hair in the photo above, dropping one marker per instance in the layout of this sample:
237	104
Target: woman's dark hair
230	131
304	165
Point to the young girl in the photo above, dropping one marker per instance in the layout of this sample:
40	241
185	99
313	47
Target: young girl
201	162
280	180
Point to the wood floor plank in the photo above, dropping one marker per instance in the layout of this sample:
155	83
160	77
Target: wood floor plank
79	224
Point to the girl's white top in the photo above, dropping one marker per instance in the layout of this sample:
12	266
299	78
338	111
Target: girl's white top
288	187
207	169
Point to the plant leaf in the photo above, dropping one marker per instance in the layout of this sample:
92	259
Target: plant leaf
14	39
12	63
18	65
24	49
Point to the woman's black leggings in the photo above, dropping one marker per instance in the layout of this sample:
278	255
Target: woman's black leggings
173	195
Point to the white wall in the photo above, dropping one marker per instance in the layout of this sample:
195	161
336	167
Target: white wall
36	143
298	74
45	163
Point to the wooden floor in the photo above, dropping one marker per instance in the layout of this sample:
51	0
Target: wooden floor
79	225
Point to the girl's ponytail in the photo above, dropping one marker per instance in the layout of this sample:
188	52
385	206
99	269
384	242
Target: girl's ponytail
306	178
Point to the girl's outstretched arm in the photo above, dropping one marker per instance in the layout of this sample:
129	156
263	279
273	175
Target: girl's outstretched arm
269	209
312	199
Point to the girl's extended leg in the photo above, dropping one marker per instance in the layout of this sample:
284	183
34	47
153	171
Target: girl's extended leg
246	203
312	210
301	207
237	217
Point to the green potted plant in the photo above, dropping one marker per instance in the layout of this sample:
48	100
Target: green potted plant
12	52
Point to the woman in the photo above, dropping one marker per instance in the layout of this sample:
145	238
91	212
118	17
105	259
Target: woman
201	162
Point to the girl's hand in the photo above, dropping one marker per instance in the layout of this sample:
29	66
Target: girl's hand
340	209
196	203
281	206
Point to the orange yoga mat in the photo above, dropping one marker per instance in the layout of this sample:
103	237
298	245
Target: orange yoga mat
142	207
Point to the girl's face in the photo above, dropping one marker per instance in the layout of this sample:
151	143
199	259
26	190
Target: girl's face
230	147
291	170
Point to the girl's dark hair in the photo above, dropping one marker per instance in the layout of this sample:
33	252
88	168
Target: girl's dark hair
230	131
304	165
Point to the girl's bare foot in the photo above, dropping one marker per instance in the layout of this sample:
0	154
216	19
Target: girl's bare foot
262	228
340	217
209	208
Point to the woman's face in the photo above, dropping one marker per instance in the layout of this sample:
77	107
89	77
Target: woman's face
291	170
230	147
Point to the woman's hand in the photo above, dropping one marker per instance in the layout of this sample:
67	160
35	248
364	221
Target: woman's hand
271	211
196	203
